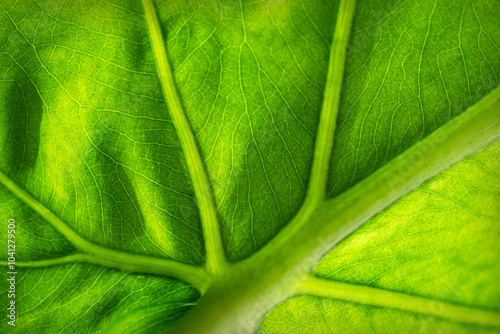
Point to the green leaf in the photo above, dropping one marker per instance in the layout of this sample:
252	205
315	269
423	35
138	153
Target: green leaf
187	165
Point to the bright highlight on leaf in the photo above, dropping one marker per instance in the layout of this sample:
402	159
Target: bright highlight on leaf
270	166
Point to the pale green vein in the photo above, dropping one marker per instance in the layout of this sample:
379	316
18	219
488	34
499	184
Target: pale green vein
110	257
326	128
401	301
476	127
215	252
331	100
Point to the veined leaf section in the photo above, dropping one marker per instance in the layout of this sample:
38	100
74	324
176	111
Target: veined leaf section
110	257
402	301
335	219
326	128
215	253
287	260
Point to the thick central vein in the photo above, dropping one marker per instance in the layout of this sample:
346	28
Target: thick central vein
401	301
210	225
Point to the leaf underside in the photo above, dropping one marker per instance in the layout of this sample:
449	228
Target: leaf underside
87	130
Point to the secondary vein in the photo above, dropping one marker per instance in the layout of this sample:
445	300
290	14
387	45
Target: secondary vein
327	122
215	252
110	257
326	129
397	300
331	100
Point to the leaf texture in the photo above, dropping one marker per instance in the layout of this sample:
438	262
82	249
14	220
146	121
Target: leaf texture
87	131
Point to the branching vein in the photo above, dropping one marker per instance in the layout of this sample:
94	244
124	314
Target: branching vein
326	128
333	220
401	301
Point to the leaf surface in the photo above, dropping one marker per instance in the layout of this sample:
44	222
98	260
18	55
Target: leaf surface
100	180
